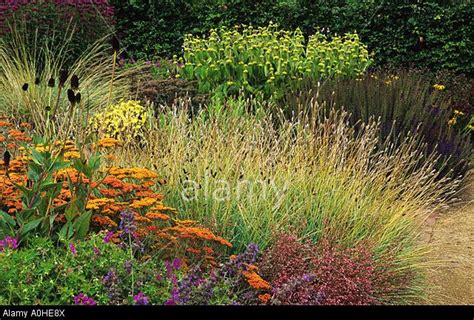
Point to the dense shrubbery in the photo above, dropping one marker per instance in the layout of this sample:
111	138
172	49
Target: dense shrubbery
425	33
324	273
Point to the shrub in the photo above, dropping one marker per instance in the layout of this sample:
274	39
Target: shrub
50	22
325	273
431	34
148	28
267	59
404	101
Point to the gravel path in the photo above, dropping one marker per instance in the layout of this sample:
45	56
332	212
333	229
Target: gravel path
451	237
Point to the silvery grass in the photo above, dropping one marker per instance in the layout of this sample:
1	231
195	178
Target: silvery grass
21	62
249	177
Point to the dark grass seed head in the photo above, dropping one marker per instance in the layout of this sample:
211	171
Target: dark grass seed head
63	75
74	82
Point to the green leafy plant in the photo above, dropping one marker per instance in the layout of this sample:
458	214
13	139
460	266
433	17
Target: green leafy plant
38	215
267	59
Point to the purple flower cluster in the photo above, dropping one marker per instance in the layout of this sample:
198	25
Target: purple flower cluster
170	273
8	242
73	249
82	299
198	288
111	284
127	224
108	237
127	231
235	266
140	299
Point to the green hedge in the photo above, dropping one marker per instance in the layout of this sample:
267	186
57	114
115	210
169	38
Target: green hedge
424	33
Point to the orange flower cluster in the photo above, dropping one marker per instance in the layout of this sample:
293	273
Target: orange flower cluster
115	190
108	142
255	281
264	297
196	233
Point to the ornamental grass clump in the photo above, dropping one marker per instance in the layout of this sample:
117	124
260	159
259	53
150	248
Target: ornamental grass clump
45	69
251	177
268	60
405	102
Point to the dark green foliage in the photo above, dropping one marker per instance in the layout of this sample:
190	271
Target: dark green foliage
433	34
150	27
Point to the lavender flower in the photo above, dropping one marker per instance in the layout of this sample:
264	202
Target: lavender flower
108	237
110	282
140	299
177	263
127	224
127	233
82	299
174	297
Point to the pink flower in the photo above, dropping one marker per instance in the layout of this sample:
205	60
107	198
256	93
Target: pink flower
73	249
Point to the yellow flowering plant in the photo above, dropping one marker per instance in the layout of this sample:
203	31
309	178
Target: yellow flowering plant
268	59
124	121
